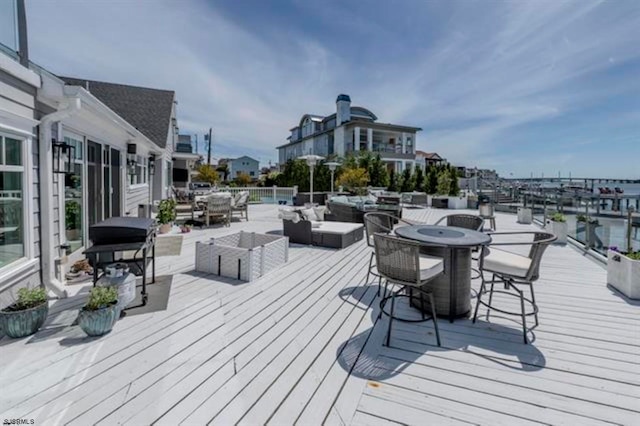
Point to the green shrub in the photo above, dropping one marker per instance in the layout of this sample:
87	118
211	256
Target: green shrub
166	211
28	298
634	255
101	297
558	217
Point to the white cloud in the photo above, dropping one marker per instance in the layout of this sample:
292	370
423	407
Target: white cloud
490	69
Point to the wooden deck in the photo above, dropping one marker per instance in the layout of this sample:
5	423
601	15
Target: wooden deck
304	345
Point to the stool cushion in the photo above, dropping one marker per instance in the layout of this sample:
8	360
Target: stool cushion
507	263
430	266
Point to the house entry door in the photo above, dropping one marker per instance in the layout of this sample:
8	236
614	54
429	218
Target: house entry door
94	183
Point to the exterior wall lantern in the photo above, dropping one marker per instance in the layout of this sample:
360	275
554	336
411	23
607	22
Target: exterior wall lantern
131	164
63	155
152	164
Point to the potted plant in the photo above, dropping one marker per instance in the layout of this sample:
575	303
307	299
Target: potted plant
623	272
100	313
559	227
27	314
72	217
166	215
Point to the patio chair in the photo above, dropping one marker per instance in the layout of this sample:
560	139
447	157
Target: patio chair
218	207
241	204
467	221
376	222
512	270
400	262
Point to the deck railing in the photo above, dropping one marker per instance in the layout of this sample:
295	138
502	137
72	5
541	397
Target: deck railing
267	195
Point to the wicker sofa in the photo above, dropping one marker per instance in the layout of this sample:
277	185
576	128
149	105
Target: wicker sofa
325	233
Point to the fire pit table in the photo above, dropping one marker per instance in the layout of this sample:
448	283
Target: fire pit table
451	290
244	256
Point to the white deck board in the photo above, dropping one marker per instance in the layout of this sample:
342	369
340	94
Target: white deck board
304	345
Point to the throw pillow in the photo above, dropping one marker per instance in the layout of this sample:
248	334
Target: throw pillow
320	211
309	214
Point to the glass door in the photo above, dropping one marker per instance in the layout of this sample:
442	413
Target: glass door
94	182
115	183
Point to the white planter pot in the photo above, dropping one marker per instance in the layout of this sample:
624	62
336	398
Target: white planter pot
623	274
560	230
457	203
525	215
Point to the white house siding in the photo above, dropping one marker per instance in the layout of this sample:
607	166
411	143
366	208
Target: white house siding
244	165
163	177
135	196
17	103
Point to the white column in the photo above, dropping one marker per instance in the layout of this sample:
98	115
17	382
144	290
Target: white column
403	140
370	140
356	138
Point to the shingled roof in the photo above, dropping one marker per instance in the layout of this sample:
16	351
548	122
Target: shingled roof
148	110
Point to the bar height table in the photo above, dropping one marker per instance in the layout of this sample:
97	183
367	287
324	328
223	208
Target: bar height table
451	290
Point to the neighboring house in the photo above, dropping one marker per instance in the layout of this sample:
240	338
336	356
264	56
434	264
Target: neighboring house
426	159
350	130
153	113
244	164
185	162
19	197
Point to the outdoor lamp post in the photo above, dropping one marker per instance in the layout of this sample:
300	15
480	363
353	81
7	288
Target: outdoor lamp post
332	166
311	160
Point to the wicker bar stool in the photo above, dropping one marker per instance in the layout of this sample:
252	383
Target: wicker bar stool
378	223
512	270
399	262
467	221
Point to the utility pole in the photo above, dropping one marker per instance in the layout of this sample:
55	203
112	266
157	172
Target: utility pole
209	146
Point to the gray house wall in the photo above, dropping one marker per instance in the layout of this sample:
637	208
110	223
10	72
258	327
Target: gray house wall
17	102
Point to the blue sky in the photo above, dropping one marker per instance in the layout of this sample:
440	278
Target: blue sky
520	86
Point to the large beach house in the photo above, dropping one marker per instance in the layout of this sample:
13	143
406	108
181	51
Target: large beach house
350	130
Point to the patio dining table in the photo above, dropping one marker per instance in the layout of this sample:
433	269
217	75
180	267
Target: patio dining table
451	290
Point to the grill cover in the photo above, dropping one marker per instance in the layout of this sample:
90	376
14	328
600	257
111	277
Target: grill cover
120	230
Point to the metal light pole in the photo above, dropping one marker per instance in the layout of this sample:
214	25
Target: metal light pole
332	166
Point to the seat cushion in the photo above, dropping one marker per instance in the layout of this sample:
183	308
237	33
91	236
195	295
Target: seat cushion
505	262
430	266
339	228
309	214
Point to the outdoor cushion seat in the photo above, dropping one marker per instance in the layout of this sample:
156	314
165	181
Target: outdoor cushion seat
505	262
430	266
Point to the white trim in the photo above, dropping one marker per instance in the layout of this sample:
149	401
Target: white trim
13	269
10	66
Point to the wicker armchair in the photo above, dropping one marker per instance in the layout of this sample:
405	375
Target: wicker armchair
241	205
513	269
399	262
467	221
218	207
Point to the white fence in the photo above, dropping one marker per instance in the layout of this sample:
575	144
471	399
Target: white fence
266	195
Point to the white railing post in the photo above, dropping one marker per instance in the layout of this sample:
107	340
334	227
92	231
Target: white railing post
275	193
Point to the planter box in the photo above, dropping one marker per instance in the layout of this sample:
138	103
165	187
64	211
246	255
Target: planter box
525	215
560	230
623	274
244	256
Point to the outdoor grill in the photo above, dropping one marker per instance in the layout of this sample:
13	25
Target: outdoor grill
117	235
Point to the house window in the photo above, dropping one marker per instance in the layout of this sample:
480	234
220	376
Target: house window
12	201
252	174
140	174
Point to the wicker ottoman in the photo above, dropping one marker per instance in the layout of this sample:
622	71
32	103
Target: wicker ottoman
244	256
